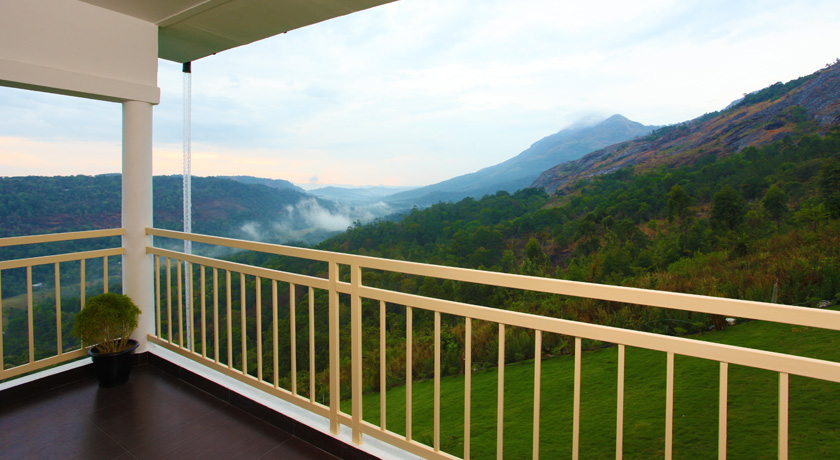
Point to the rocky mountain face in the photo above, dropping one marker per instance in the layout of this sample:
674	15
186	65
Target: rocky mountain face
806	105
520	171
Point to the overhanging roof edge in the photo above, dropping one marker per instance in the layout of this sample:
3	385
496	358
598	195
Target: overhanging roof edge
210	31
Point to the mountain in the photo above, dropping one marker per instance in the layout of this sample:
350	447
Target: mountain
520	171
809	104
358	195
273	183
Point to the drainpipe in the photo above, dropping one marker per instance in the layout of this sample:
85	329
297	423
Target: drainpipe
137	266
187	186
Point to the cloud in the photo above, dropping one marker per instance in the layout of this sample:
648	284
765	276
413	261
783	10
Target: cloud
315	215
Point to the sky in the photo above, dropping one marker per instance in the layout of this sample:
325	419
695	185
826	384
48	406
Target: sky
419	91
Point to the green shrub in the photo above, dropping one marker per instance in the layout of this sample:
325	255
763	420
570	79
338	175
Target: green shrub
107	321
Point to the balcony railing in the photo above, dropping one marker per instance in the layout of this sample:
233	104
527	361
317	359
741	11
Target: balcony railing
249	346
49	288
215	299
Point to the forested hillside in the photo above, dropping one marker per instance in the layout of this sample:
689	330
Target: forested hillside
625	228
34	205
760	221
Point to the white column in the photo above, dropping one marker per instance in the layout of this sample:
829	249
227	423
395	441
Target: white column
137	266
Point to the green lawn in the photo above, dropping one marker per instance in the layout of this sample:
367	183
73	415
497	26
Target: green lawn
753	404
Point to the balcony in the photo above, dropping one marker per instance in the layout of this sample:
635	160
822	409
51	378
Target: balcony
254	337
211	339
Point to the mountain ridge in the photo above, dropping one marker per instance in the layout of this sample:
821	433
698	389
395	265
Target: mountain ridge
760	118
520	171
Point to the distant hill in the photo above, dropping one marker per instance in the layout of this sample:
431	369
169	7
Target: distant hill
520	171
223	207
358	195
273	183
807	104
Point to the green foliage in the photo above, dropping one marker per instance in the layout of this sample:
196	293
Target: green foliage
830	187
728	208
107	321
774	91
775	202
678	202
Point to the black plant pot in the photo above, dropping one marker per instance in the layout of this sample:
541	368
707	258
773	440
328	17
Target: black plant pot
113	368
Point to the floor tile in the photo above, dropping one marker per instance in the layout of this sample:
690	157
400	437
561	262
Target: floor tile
294	449
153	416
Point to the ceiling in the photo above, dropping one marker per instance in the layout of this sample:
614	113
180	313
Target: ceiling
192	29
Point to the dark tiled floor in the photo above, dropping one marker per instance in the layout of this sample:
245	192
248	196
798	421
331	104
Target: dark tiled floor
153	416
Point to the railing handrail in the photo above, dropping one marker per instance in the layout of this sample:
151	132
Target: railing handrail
66	236
777	313
67	257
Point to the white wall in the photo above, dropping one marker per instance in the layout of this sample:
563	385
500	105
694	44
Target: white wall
70	47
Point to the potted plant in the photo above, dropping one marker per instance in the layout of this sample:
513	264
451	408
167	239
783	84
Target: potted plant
107	321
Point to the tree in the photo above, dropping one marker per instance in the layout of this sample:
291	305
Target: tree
534	251
830	186
678	203
775	202
728	208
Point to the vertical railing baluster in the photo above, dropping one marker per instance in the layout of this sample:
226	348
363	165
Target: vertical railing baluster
203	274
189	310
311	344
244	324
293	335
169	298
619	418
669	407
537	387
30	310
158	331
467	385
59	338
784	390
179	284
500	396
409	339
723	403
105	274
82	288
356	350
229	320
276	355
335	378
258	301
216	315
576	404
382	375
436	438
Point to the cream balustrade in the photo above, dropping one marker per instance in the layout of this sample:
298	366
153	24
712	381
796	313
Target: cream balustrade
48	288
334	287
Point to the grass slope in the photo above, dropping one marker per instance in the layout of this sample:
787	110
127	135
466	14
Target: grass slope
753	403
